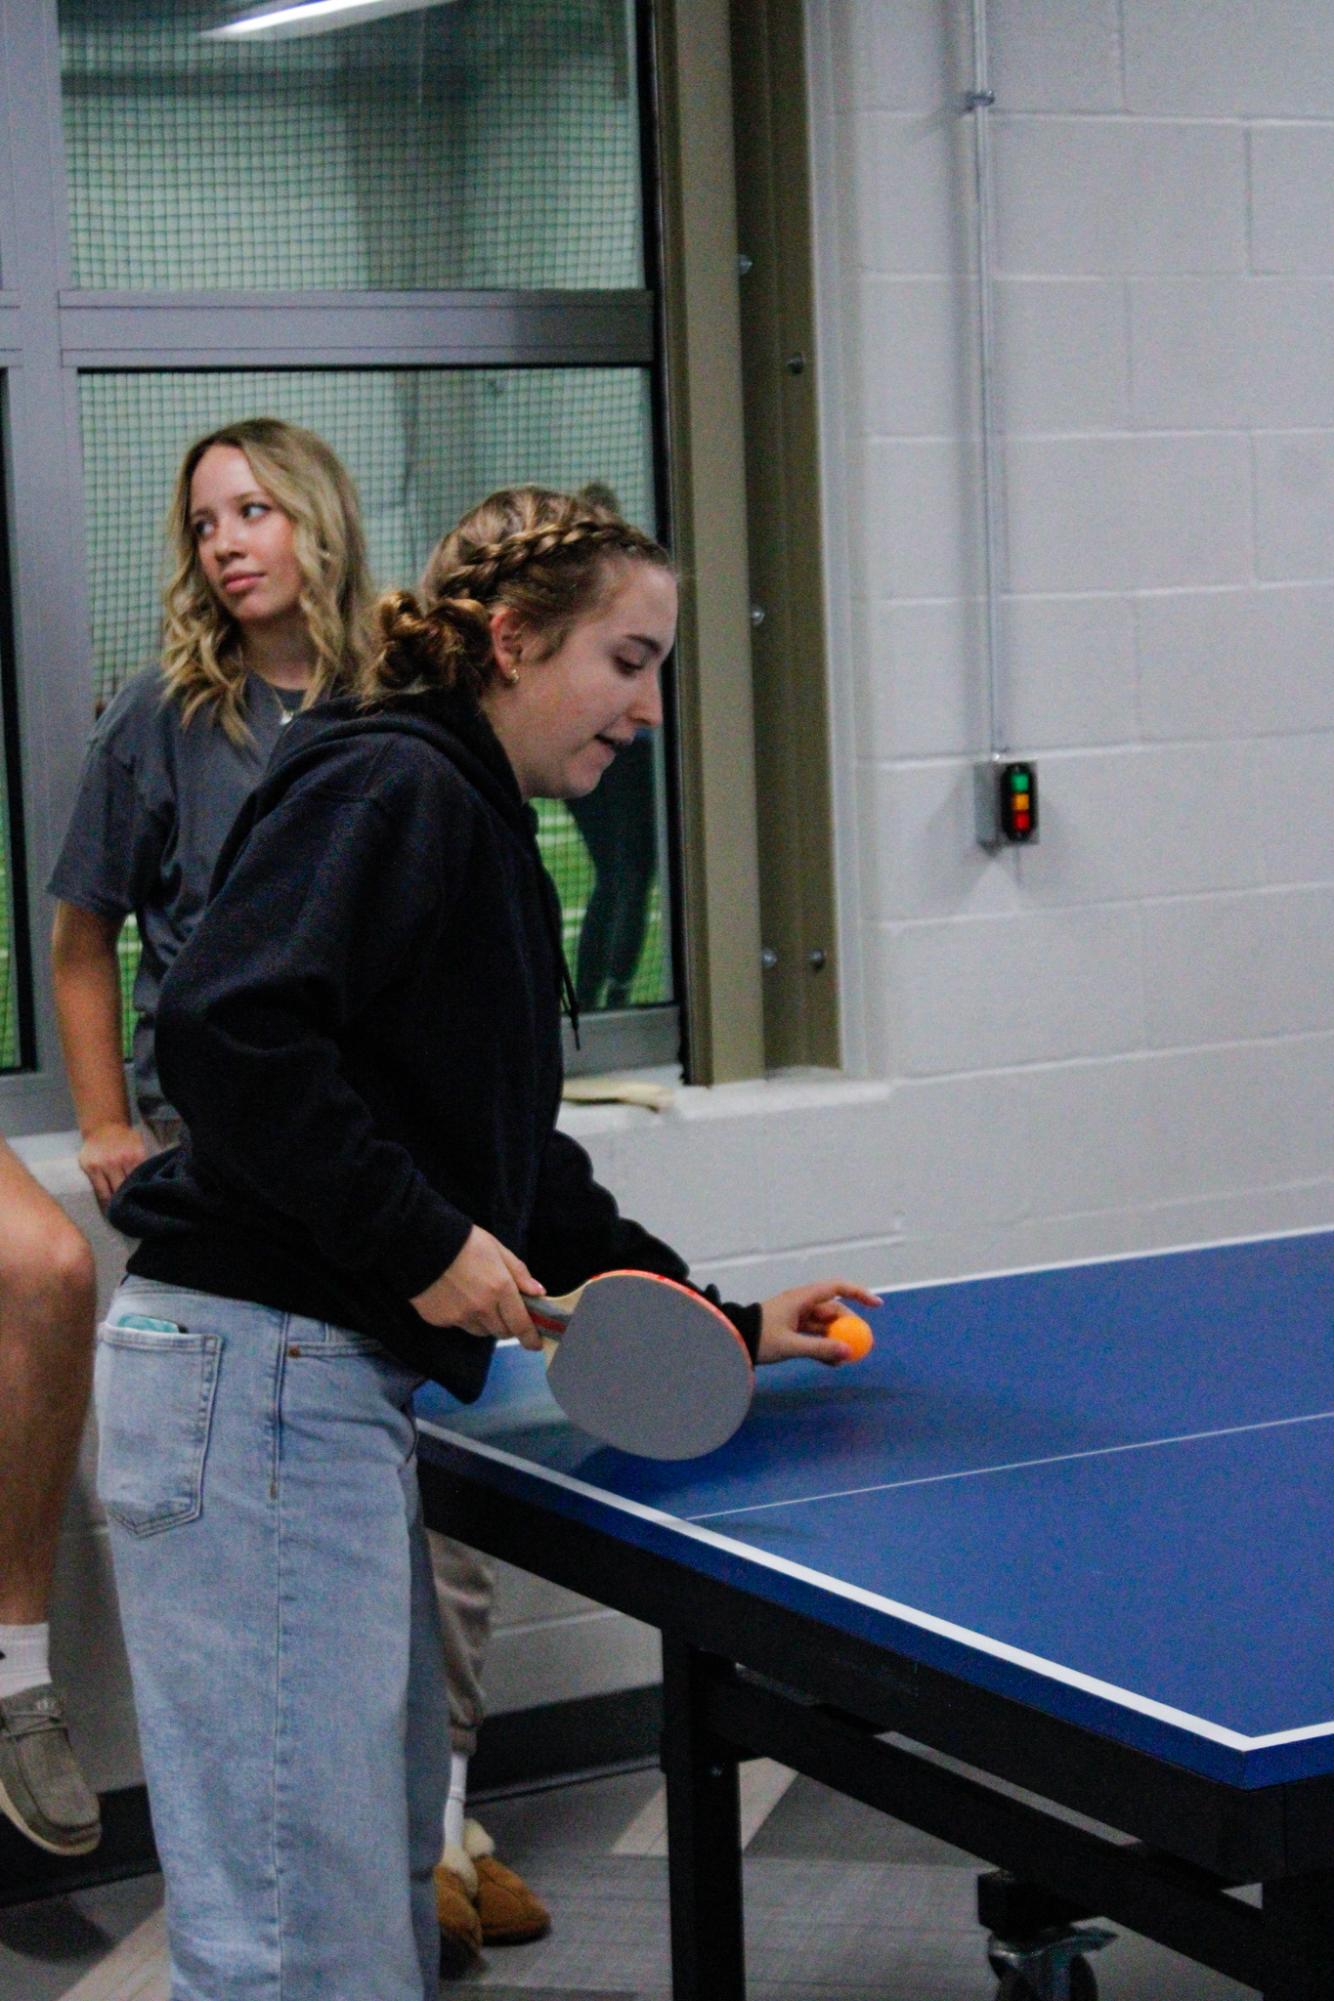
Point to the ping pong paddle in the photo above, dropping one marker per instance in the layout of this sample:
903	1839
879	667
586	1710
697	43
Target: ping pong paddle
645	1364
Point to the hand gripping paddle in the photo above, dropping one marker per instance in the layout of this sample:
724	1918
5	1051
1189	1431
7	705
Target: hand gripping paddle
645	1364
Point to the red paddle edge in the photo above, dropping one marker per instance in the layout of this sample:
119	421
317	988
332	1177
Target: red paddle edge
545	1323
552	1326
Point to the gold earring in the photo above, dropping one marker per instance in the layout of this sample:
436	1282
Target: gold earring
512	677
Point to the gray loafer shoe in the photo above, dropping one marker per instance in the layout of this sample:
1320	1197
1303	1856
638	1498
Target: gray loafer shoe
42	1789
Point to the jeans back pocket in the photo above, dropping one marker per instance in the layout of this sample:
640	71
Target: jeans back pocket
154	1391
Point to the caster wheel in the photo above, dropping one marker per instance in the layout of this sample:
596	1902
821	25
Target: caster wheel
1083	1984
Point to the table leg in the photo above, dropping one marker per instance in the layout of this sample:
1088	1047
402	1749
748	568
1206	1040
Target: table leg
1304	1907
703	1837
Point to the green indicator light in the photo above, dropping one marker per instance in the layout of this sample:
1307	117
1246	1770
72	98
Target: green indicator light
1019	781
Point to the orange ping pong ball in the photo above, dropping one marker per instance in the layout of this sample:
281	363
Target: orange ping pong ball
852	1333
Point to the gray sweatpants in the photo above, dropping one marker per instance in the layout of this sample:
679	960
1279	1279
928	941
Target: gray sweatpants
464	1588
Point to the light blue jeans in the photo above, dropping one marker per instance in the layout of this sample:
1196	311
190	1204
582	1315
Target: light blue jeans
259	1475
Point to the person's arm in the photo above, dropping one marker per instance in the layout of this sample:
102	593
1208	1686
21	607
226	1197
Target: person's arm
109	864
578	1231
86	976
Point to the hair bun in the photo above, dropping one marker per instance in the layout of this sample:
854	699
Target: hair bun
446	646
396	611
408	643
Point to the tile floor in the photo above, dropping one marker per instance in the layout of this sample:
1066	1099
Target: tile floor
842	1905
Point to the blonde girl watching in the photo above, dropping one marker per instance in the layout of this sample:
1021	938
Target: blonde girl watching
266	611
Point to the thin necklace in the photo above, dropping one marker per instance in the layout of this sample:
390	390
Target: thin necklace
285	714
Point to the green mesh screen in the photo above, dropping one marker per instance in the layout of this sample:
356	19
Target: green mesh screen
422	445
478	143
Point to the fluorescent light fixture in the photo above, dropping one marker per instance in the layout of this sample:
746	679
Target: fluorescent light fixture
312	17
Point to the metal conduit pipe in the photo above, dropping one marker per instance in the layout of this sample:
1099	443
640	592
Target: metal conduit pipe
992	774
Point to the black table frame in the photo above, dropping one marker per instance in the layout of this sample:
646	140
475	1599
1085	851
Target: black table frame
744	1677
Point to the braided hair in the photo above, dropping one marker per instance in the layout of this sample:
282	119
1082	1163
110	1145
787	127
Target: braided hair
551	557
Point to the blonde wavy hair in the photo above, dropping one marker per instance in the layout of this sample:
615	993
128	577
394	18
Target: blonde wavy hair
554	558
203	659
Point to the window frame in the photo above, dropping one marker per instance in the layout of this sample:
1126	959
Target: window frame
737	883
718	905
781	371
52	332
757	834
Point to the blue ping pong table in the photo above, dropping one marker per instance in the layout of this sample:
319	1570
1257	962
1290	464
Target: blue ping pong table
1071	1530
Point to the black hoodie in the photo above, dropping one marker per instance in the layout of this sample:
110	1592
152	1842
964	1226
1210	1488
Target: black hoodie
363	1037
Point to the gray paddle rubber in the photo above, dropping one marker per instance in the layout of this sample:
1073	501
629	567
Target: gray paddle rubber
650	1368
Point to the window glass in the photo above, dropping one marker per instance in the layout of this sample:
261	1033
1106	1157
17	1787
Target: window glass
421	445
461	144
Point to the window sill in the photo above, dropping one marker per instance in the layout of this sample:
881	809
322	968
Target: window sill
784	1092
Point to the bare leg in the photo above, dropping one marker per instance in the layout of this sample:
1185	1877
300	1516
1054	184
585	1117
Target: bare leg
46	1342
47	1285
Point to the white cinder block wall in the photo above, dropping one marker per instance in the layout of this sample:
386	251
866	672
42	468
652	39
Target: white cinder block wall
1126	1031
1125	1037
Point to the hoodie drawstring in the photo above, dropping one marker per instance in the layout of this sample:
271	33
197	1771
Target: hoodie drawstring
571	998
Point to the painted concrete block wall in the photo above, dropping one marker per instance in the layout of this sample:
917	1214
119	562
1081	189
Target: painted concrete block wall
1133	1022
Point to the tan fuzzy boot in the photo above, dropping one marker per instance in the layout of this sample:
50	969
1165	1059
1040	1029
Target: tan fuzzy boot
509	1912
456	1889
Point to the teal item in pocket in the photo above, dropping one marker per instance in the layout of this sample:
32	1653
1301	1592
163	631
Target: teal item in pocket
146	1324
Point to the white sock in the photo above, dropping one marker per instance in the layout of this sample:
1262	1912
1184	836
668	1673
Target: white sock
454	1804
24	1661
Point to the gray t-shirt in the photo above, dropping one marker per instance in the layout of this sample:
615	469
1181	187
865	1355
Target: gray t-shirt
155	803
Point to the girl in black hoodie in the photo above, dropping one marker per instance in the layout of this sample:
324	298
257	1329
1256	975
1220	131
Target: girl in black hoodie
363	1037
